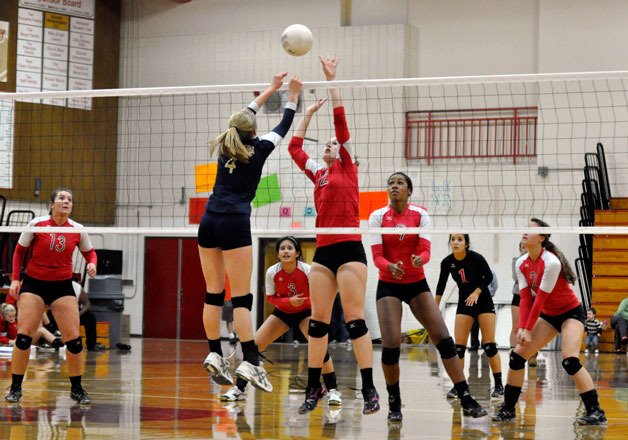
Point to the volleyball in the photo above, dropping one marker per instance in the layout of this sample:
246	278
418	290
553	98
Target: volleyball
297	40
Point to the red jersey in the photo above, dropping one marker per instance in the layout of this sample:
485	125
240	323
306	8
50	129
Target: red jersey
8	331
335	187
281	286
544	280
51	258
391	248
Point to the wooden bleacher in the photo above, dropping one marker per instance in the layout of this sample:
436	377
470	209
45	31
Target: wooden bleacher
610	268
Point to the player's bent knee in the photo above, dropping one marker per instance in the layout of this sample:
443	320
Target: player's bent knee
245	301
215	299
446	348
317	329
572	365
357	328
390	356
23	342
490	349
75	346
461	349
517	362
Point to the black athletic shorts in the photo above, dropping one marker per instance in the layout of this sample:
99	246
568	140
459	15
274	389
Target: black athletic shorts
225	231
49	291
335	255
292	319
227	311
516	300
403	292
484	305
557	321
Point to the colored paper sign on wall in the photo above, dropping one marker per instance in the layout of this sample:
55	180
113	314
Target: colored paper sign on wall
205	176
268	191
309	211
296	225
285	211
197	209
370	201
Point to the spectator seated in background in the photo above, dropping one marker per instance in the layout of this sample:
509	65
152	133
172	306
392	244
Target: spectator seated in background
8	325
87	319
619	321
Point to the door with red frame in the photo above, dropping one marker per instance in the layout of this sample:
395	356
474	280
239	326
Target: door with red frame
173	275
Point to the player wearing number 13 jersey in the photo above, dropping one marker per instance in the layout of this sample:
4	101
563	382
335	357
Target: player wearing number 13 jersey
48	281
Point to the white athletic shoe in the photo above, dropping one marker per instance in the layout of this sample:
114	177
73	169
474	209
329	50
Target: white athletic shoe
256	376
333	397
233	394
218	367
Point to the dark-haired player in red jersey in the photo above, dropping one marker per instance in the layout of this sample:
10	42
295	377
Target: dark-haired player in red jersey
339	262
288	289
48	282
400	260
544	272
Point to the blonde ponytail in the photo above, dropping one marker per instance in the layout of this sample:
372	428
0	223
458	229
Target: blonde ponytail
229	143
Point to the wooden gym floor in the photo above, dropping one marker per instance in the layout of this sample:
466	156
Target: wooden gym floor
160	390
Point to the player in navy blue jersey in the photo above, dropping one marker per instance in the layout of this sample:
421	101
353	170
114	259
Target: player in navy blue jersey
224	235
473	275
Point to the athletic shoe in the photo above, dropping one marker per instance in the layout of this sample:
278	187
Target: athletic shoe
504	414
233	340
452	394
470	406
333	397
312	396
498	392
595	416
80	396
233	394
395	416
256	376
371	401
218	367
15	394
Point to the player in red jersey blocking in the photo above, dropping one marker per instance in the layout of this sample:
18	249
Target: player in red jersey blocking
339	262
400	260
544	272
48	281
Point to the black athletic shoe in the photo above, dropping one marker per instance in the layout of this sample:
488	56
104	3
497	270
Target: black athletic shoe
80	396
371	401
312	396
594	417
395	416
394	409
498	392
15	394
470	406
452	394
504	414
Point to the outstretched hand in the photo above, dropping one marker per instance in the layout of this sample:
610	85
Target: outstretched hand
316	106
277	80
295	84
329	66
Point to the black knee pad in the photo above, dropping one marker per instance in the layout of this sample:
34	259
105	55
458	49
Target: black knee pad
327	357
490	349
517	362
572	365
460	349
245	301
357	328
390	356
215	299
317	329
75	346
23	342
447	348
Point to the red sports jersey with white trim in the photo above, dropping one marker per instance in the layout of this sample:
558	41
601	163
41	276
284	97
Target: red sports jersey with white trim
391	248
281	286
51	259
543	279
335	188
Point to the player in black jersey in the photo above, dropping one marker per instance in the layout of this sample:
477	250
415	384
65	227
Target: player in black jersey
472	274
224	235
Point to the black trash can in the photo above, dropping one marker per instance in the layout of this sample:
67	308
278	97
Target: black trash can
105	294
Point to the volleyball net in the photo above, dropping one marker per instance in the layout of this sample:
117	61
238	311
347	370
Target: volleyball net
484	153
